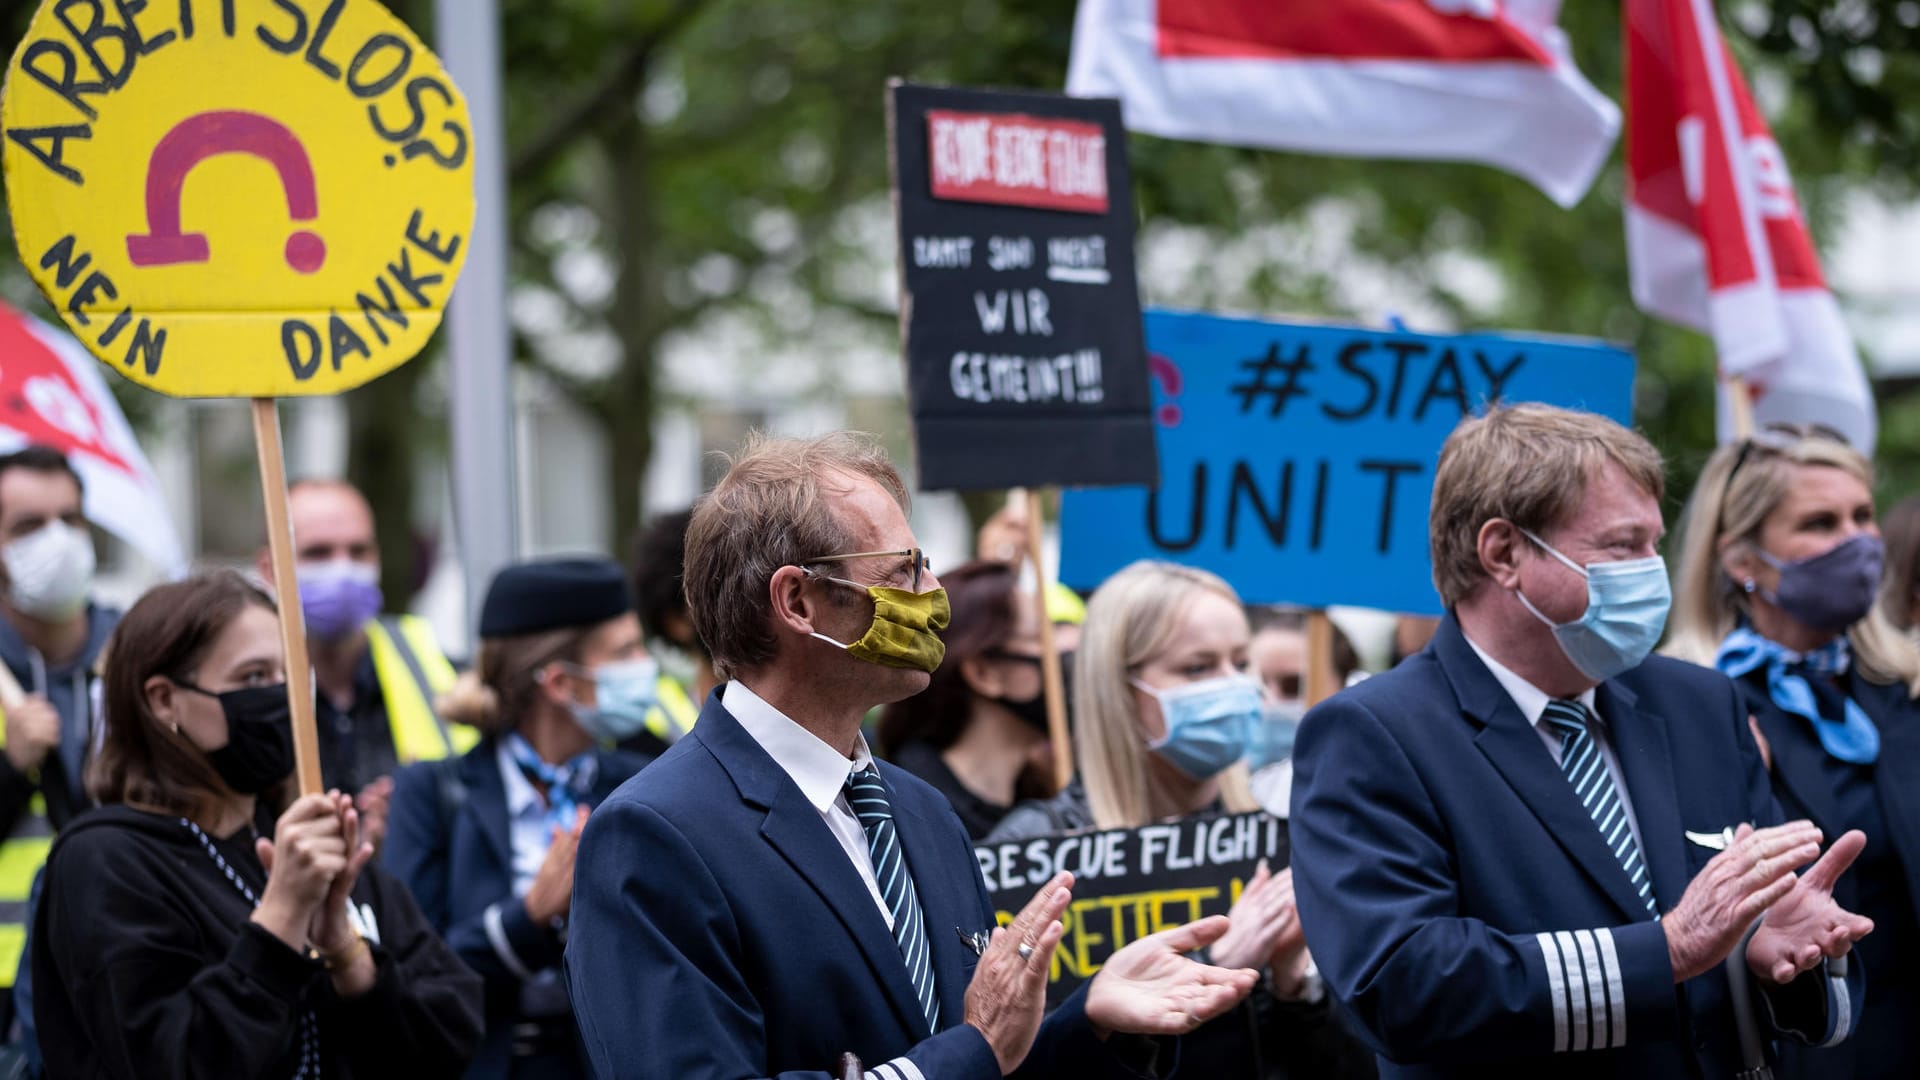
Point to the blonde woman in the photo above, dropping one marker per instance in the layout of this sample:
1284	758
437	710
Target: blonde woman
1779	573
1164	711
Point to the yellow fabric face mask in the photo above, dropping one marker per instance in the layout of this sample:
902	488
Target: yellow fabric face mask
903	631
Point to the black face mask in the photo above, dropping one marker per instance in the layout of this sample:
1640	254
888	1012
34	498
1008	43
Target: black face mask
259	750
1034	710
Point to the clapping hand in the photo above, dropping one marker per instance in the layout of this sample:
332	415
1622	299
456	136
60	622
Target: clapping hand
1152	988
1806	925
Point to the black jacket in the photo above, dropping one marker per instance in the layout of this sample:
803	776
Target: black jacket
146	965
1884	884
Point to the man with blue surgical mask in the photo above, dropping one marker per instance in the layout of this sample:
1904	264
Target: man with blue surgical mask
1532	845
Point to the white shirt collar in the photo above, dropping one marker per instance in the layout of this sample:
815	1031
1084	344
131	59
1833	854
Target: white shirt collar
1531	699
521	794
817	769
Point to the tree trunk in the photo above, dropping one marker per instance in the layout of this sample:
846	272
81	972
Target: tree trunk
639	316
385	437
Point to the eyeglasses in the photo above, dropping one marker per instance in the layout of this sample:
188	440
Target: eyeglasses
917	560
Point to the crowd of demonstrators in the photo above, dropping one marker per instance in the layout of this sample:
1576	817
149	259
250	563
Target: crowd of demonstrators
1533	847
1777	587
661	603
507	888
377	675
1278	656
978	732
487	841
1165	713
765	898
193	925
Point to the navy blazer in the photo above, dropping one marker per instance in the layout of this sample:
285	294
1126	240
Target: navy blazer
1461	902
1806	789
450	841
720	932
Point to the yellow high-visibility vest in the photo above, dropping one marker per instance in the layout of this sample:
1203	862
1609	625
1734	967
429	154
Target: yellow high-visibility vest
675	712
412	672
22	855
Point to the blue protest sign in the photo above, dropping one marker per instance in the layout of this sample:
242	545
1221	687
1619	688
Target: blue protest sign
1296	461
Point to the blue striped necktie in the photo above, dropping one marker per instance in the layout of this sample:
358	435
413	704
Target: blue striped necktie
868	797
1586	769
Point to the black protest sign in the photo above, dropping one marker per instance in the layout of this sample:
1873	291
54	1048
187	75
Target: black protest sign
1026	364
1129	883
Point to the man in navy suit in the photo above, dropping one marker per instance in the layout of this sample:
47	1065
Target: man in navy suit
765	898
1531	847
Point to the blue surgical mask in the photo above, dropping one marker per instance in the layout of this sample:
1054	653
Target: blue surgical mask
1209	724
1627	605
1273	736
623	693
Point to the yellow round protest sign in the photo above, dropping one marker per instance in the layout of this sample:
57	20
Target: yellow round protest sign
238	198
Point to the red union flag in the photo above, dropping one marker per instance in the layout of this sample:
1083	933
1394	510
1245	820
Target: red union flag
1458	80
1715	235
51	394
1017	160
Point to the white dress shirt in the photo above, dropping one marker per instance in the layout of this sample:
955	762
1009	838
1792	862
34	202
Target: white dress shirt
818	770
1533	705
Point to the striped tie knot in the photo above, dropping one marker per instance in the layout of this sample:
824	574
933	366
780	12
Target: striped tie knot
1569	718
867	795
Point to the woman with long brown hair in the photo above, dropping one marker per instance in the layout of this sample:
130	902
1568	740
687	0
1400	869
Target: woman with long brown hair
184	931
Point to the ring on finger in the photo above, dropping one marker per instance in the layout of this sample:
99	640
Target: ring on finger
1025	950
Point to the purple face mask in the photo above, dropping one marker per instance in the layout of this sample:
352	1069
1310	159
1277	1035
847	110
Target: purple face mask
1834	589
338	597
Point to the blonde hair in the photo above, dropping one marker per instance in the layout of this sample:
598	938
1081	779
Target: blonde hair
1901	528
1730	503
502	686
1528	464
770	510
1130	620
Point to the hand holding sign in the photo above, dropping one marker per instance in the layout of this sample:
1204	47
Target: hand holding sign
148	163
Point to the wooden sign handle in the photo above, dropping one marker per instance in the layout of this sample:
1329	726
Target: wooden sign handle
293	626
1050	678
1740	405
1322	680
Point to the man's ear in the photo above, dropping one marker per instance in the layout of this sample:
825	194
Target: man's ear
553	683
794	606
1501	547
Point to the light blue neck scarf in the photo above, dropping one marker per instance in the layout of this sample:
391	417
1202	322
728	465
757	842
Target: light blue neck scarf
1855	740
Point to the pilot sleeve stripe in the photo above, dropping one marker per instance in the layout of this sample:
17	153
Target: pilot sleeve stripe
1616	987
1596	989
1576	992
1556	990
1841	1006
497	937
908	1070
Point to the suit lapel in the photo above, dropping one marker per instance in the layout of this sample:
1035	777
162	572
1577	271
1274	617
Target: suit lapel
1514	748
1640	743
486	803
794	829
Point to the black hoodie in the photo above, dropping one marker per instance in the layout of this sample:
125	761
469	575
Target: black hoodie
145	965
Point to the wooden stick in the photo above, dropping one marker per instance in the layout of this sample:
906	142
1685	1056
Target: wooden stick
1740	405
1050	679
1322	680
293	627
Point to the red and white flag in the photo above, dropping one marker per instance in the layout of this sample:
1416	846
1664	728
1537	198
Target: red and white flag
52	394
1715	236
1456	80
